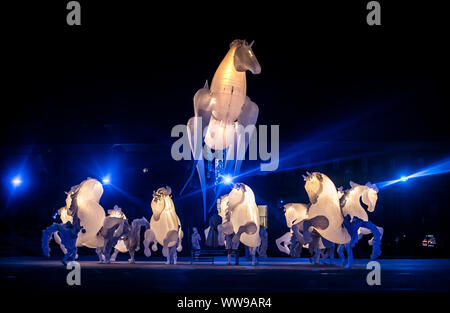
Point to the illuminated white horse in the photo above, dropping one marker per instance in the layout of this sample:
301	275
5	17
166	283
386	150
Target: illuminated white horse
224	111
83	200
240	220
100	232
356	202
294	213
165	226
318	225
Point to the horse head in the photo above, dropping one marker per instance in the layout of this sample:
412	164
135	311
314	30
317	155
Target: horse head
244	58
161	201
314	185
236	196
370	196
295	213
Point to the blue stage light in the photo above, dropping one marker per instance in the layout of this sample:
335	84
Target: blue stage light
227	179
16	181
106	180
436	169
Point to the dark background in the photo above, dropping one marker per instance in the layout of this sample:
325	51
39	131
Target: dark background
357	102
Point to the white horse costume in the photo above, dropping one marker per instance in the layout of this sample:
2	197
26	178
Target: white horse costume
355	203
318	225
83	200
240	219
165	226
325	208
294	213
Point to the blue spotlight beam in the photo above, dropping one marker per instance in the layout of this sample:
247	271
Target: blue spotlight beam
436	169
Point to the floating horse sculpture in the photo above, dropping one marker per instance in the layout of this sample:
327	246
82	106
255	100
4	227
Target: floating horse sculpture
224	111
240	220
165	226
355	203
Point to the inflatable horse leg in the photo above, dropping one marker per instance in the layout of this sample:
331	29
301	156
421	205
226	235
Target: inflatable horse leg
281	243
149	237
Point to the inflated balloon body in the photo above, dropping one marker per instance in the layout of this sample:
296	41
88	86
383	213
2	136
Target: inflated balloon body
355	203
165	226
84	212
85	198
224	110
325	212
99	231
240	219
318	225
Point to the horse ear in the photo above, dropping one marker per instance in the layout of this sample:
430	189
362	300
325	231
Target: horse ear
305	178
251	44
206	85
352	184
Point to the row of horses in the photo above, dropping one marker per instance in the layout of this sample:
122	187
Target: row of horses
333	217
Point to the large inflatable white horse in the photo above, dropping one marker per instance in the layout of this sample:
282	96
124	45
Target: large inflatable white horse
240	220
318	225
355	203
165	226
332	217
224	112
100	232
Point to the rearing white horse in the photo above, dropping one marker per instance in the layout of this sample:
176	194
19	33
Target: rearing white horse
165	226
240	219
224	112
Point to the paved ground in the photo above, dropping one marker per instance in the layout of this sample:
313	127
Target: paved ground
272	275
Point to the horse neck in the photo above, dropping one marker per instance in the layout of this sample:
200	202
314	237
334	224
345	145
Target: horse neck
226	75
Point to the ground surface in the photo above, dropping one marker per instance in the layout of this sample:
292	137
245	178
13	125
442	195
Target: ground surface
272	275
